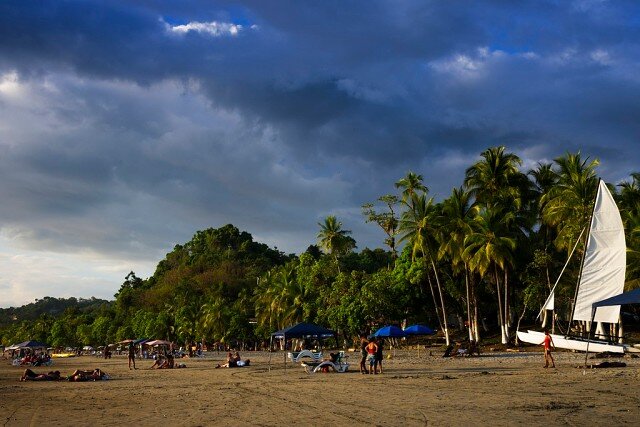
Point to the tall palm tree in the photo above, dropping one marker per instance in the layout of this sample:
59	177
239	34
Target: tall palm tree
498	186
544	178
333	239
568	204
213	319
629	203
489	249
457	213
411	185
418	227
496	178
629	199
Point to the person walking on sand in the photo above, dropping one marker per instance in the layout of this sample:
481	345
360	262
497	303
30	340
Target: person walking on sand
548	343
363	355
132	355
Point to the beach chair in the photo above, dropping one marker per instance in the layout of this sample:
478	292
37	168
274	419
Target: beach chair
298	356
340	365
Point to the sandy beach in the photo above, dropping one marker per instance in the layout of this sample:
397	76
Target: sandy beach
494	389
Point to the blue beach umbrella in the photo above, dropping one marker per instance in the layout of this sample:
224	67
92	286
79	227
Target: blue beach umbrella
419	330
389	332
416	330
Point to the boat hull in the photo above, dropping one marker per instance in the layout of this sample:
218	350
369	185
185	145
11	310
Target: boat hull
534	337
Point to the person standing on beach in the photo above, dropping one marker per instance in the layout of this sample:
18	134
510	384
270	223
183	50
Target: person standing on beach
372	349
548	343
363	355
379	356
132	355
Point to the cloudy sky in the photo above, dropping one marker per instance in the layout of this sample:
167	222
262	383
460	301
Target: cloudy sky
126	126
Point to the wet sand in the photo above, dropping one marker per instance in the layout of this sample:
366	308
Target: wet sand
494	389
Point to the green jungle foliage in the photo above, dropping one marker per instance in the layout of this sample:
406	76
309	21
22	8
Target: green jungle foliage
472	264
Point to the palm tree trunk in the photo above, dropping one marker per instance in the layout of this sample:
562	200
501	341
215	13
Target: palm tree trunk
500	317
444	311
507	311
474	297
466	285
524	310
553	324
435	302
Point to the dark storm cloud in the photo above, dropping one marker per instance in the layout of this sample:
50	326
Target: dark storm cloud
271	115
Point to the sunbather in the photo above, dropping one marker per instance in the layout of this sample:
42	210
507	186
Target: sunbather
29	375
95	375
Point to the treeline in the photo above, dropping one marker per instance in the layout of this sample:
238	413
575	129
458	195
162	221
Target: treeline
47	306
480	261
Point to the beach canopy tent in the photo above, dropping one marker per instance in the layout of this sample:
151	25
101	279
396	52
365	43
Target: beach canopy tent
389	332
418	330
631	297
301	330
156	343
30	344
304	330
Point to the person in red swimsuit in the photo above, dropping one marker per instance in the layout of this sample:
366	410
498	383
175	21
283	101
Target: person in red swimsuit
372	349
547	343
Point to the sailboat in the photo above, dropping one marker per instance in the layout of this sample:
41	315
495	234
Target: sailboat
601	276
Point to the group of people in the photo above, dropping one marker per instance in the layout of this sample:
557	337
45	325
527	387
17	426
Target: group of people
166	362
77	376
234	361
371	352
33	359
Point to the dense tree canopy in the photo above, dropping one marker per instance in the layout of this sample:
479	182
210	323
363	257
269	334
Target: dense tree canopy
471	262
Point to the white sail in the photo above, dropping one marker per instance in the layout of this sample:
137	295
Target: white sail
549	304
605	260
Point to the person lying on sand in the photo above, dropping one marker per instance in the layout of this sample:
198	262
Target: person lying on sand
29	375
95	375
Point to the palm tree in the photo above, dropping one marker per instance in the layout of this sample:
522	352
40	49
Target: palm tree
544	178
489	248
629	198
499	187
333	239
629	202
418	226
496	178
213	320
410	185
457	213
567	205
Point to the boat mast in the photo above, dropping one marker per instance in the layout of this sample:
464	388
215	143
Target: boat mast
584	253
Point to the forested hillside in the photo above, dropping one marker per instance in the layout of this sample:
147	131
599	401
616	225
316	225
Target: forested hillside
475	263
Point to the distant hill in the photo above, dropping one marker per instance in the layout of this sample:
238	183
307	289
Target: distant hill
47	305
